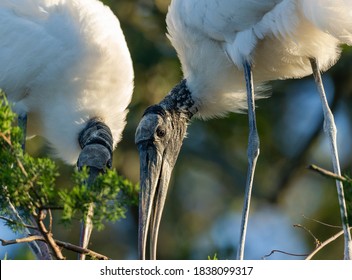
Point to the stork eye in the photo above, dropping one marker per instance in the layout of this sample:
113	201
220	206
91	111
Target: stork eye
160	132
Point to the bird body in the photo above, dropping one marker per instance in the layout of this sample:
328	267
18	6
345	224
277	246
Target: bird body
226	49
66	67
64	62
213	37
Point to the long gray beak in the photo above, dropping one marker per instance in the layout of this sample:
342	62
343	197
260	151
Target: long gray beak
155	175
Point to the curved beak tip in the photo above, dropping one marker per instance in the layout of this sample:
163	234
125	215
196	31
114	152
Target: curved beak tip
155	176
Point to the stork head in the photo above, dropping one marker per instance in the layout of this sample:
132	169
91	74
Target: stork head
159	138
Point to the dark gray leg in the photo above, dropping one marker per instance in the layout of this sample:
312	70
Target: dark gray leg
331	132
253	154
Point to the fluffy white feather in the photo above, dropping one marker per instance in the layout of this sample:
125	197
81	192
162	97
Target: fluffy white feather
64	62
214	37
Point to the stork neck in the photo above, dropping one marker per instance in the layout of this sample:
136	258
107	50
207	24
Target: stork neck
180	99
97	145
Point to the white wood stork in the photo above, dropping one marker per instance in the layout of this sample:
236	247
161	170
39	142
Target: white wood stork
65	64
220	43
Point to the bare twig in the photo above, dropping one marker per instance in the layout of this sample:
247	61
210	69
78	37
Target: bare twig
48	236
318	244
50	207
327	173
22	240
316	240
323	244
61	244
319	222
81	250
50	220
286	253
342	203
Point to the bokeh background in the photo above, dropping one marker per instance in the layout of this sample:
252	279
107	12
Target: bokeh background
204	204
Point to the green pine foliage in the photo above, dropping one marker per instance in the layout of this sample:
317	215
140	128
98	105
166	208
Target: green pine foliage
213	258
111	194
30	184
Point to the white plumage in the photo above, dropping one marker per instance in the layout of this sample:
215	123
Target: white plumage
64	62
213	37
65	65
226	49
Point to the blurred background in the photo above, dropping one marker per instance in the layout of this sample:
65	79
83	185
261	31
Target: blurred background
204	204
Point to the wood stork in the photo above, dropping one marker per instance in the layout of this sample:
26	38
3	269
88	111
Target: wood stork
65	65
220	43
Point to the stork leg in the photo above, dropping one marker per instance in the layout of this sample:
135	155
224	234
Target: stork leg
87	225
253	153
86	230
331	132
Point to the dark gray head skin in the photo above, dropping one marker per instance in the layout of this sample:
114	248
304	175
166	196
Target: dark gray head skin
159	138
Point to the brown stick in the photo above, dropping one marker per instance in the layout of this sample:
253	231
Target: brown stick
323	244
22	240
49	236
62	244
80	250
6	139
327	173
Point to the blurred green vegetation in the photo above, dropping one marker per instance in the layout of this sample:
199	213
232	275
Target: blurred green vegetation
29	185
208	181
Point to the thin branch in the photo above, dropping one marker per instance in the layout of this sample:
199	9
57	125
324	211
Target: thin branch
80	250
316	240
49	236
327	173
22	240
50	220
323	244
14	223
62	244
319	222
319	245
20	165
50	207
7	139
286	253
